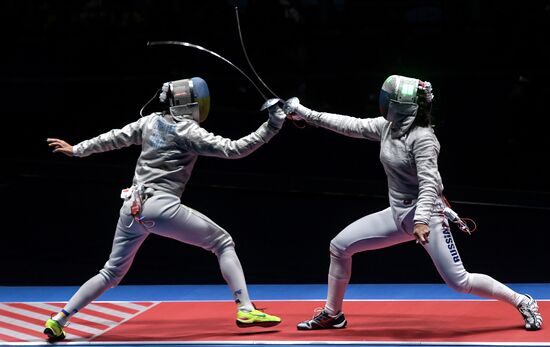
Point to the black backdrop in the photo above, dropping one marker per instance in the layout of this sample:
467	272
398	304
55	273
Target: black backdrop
76	69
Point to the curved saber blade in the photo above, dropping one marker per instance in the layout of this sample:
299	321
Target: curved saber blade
187	44
246	55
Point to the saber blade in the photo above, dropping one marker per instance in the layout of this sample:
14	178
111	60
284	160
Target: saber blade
246	55
187	44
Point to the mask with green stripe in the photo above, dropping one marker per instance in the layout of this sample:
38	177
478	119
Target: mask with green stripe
398	98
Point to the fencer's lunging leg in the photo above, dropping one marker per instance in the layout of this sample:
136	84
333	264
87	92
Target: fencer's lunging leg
339	274
375	231
187	225
487	287
446	258
87	293
128	239
233	274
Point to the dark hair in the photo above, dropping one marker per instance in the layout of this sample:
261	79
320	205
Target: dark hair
424	113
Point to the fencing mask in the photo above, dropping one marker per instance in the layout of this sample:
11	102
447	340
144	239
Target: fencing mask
398	98
187	96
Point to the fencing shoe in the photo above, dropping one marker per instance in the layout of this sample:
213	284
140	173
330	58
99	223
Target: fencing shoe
256	318
530	312
54	330
322	320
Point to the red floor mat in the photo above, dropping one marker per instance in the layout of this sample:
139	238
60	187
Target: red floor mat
368	321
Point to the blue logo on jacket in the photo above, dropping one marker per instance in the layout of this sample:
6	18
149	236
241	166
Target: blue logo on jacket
162	134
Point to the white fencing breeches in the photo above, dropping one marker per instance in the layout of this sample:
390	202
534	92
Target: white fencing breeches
164	215
379	230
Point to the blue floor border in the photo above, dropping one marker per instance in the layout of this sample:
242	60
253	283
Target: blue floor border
540	291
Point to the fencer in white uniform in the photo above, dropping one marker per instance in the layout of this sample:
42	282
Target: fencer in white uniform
409	152
170	145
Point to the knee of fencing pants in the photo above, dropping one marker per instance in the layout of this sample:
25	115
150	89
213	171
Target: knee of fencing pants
339	250
223	244
113	276
460	282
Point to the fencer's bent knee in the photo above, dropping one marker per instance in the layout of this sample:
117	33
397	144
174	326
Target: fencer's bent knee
460	283
338	250
223	245
113	278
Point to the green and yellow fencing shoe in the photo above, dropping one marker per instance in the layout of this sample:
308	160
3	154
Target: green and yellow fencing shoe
54	330
256	318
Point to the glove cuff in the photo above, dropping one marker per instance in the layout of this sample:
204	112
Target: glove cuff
293	107
303	111
276	121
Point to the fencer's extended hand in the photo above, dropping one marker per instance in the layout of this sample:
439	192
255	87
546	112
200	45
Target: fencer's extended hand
295	110
276	116
60	146
421	233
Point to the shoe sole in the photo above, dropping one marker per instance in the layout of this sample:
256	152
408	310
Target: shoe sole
532	328
338	326
51	336
257	324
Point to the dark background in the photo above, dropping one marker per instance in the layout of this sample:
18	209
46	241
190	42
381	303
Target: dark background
75	69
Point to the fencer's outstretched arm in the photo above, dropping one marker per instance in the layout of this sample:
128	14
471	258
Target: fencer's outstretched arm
113	139
205	143
368	128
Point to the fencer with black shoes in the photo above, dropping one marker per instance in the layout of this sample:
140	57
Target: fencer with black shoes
323	320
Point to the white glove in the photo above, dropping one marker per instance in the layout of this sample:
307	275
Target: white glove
276	116
295	110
